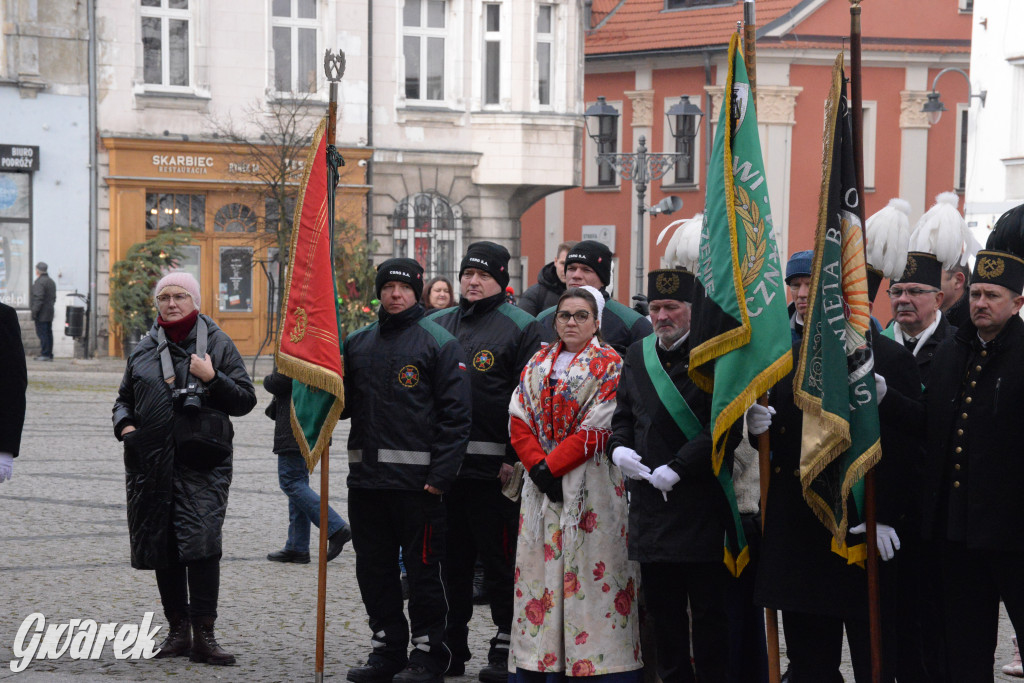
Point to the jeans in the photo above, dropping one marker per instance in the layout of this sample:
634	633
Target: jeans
303	502
44	330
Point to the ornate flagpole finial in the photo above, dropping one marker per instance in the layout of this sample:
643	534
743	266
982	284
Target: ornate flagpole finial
334	65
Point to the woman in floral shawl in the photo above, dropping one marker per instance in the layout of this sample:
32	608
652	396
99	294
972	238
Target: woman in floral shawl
575	589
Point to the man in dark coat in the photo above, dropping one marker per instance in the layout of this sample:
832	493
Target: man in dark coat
798	280
956	283
13	384
550	284
590	263
498	339
916	297
42	298
818	592
971	502
408	394
176	510
678	510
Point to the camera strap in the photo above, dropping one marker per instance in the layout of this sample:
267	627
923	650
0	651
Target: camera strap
166	365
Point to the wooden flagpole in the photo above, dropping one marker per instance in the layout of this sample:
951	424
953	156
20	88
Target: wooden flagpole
763	445
334	68
856	96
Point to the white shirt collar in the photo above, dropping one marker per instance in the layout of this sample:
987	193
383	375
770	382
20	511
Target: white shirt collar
677	344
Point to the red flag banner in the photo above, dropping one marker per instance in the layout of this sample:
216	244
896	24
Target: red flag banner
309	345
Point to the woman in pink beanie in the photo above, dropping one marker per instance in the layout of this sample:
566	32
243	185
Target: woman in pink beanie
176	506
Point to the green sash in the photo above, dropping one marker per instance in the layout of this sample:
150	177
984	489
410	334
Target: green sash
890	332
669	396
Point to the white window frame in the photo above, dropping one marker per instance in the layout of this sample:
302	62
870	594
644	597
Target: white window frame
488	38
870	122
164	14
548	39
668	144
590	170
294	23
960	184
424	33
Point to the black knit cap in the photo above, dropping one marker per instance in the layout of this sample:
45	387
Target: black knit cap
594	254
489	257
670	283
999	268
404	270
922	268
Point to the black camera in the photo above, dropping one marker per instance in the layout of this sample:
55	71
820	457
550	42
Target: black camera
190	399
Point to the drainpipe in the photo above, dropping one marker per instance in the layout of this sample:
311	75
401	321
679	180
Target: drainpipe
91	346
369	125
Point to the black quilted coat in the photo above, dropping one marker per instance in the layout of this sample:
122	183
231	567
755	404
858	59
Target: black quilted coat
163	494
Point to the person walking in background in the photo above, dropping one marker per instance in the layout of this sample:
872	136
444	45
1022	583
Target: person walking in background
550	283
13	384
575	605
438	294
176	506
498	340
42	298
293	477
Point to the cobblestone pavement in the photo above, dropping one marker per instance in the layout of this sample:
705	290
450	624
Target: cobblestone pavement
64	549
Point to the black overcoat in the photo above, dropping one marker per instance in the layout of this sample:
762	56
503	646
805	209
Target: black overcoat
690	525
161	492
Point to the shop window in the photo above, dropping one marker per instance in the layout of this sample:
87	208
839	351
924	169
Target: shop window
165	42
235	290
423	44
16	268
166	211
235	218
545	50
429	229
294	29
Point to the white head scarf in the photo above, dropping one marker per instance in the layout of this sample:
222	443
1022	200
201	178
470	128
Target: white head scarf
599	298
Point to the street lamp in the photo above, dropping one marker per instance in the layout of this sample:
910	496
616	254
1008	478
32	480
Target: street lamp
642	167
934	106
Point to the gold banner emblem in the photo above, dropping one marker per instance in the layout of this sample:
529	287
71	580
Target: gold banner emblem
299	330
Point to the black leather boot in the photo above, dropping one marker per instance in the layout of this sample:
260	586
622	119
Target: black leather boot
205	649
178	642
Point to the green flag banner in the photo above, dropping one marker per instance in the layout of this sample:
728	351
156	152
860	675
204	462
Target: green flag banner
834	382
739	332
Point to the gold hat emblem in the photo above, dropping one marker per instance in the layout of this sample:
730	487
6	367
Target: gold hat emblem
911	267
667	283
990	267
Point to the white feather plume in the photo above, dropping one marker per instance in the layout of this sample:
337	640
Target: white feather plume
888	236
942	231
683	248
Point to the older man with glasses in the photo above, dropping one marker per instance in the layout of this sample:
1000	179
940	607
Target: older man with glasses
916	299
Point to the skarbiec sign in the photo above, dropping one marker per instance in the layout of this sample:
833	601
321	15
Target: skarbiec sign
19	158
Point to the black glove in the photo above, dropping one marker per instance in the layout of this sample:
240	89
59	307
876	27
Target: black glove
549	484
641	306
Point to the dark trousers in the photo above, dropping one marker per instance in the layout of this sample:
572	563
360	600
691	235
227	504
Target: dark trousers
814	643
748	651
481	522
198	580
973	582
44	330
382	522
668	586
912	618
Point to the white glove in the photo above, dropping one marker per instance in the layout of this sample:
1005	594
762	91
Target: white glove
6	466
759	418
880	387
888	541
628	460
663	478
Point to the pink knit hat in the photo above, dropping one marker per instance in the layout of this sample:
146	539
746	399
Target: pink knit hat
183	280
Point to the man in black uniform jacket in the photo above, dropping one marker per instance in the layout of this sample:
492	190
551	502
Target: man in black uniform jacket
13	384
590	263
817	591
972	475
408	394
678	516
498	339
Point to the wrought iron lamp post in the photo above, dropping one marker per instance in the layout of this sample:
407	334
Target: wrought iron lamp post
642	167
934	106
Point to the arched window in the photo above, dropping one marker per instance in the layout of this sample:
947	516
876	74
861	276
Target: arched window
429	229
235	218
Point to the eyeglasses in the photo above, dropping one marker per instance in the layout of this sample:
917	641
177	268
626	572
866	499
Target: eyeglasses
579	316
897	292
178	298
